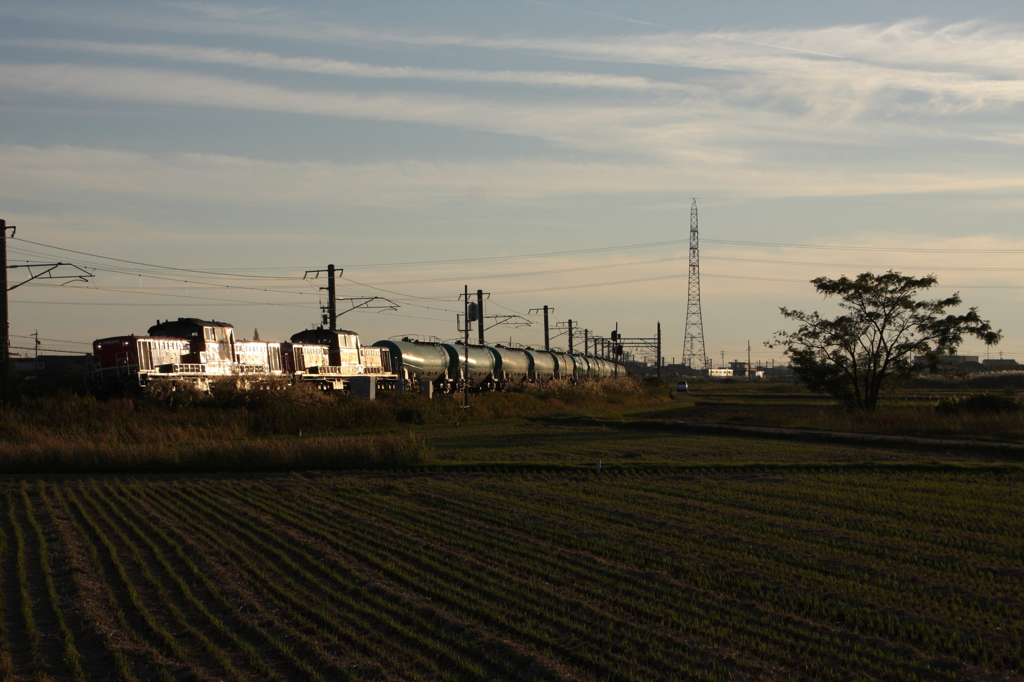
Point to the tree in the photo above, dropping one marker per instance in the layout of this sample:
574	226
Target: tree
875	340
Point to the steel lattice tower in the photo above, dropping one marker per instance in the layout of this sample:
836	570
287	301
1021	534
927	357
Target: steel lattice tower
693	338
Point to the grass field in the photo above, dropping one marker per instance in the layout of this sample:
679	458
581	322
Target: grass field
906	412
493	549
611	576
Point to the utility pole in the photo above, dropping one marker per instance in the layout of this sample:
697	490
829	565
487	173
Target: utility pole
5	323
547	331
660	359
570	336
586	341
331	317
35	271
465	348
332	305
748	359
480	314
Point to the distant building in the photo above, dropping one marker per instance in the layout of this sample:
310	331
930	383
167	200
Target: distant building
970	367
781	373
49	365
954	364
1001	365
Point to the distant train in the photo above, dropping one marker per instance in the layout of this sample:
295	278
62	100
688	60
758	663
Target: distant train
194	352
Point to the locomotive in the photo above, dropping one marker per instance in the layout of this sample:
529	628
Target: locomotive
190	351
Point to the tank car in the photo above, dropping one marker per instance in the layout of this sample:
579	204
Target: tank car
565	368
511	365
543	365
473	364
582	367
415	361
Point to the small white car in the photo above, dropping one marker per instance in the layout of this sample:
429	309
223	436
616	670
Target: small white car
681	386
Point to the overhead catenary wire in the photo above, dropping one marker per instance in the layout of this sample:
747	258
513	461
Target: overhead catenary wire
591	250
122	260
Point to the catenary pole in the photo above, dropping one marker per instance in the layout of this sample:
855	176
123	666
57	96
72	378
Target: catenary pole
332	295
659	358
465	347
480	314
547	333
5	324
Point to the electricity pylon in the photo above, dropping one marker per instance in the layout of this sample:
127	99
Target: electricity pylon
693	338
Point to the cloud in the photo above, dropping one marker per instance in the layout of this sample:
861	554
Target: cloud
79	177
962	66
334	67
734	91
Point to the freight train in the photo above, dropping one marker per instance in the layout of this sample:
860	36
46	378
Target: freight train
194	352
494	367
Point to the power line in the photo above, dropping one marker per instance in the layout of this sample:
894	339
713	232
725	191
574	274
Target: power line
21	336
131	262
859	248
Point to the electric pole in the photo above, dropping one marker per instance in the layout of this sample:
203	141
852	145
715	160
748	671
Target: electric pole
332	295
465	348
660	359
570	336
480	314
547	331
5	323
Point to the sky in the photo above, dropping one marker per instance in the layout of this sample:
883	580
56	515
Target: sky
202	159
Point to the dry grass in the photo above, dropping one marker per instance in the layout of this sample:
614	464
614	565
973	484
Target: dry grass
292	428
925	421
77	455
910	412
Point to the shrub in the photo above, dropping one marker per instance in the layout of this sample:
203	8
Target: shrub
978	403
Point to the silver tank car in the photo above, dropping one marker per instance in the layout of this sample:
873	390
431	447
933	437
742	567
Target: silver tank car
565	368
481	363
415	361
584	367
542	365
511	365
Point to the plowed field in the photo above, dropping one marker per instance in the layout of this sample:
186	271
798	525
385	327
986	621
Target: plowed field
483	576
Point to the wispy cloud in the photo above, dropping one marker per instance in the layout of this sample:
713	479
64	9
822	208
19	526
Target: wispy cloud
334	67
81	176
598	14
971	63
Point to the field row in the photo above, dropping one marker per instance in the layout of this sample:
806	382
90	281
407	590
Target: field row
504	576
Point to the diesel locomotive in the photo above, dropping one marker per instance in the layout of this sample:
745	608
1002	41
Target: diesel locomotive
190	351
